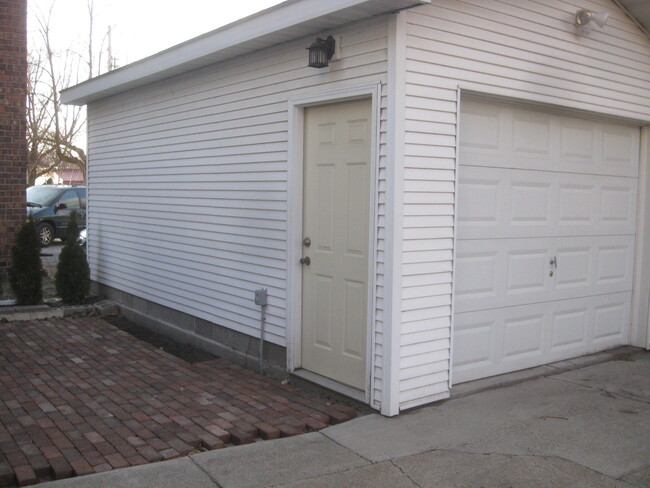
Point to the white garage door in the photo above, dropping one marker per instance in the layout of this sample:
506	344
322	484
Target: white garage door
545	246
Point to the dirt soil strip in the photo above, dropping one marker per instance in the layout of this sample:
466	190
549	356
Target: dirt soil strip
79	396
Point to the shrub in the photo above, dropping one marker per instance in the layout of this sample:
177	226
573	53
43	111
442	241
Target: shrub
26	271
72	278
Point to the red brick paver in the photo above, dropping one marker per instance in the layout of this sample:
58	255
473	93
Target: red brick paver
79	396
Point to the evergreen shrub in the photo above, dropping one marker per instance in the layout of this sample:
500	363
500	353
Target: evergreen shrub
26	271
72	278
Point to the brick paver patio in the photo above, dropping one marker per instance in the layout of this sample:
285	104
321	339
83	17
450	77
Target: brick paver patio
78	396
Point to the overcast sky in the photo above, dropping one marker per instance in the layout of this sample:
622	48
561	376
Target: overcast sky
139	27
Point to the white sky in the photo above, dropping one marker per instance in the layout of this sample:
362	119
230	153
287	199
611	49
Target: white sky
139	27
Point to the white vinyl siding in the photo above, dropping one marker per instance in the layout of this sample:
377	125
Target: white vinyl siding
521	49
188	182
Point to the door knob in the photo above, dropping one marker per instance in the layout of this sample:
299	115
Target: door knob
306	261
306	242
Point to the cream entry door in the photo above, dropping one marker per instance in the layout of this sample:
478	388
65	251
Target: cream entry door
336	208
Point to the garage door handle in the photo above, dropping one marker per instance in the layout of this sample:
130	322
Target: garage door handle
554	262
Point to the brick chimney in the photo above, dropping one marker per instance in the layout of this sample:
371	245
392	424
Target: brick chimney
13	147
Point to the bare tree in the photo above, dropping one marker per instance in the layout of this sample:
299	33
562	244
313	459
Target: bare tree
90	4
40	151
68	120
54	129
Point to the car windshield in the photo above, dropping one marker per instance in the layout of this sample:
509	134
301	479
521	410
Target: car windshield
41	195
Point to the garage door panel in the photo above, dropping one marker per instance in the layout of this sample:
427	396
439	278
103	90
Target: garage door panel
570	328
496	273
498	202
530	202
523	337
503	136
618	203
577	143
546	224
577	203
620	149
526	271
610	320
477	344
492	342
531	135
576	262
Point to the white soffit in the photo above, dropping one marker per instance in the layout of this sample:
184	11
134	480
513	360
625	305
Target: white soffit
289	20
639	10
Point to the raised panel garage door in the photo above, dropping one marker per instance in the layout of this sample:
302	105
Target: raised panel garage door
545	244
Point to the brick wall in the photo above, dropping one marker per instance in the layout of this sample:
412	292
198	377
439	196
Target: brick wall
13	148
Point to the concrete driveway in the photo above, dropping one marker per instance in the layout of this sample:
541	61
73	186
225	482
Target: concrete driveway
589	427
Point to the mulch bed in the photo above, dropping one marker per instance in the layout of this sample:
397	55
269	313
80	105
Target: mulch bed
79	396
182	351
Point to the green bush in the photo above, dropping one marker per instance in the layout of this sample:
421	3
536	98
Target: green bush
72	278
26	271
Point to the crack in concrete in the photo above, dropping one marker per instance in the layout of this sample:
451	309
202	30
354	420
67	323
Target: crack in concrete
307	478
370	461
514	455
632	473
612	394
352	468
191	458
405	473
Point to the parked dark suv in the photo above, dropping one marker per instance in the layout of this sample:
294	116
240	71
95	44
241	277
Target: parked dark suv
51	205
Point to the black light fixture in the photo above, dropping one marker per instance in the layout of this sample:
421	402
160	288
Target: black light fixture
320	52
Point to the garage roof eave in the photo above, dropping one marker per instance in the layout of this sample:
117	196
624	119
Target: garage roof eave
638	11
289	20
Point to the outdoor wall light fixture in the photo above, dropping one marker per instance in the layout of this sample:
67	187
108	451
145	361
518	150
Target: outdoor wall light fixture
584	16
320	52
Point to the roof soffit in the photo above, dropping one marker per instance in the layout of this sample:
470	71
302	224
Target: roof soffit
287	21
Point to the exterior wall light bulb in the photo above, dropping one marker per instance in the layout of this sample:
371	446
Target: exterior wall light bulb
584	16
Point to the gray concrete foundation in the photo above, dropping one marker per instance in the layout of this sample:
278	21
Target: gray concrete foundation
202	334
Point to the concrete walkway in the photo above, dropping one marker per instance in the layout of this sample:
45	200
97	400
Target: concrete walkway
589	427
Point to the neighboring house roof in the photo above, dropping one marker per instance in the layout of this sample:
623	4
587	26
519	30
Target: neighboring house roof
639	10
70	176
289	20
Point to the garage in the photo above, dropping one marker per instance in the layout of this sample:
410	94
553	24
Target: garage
545	237
506	190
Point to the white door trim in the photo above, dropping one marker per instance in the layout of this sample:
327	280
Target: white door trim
640	323
459	100
296	108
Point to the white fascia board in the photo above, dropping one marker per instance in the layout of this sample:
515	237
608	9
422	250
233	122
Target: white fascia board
284	22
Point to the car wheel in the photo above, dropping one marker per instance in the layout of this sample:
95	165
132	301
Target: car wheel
45	233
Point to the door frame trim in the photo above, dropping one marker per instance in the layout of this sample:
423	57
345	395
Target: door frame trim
296	107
